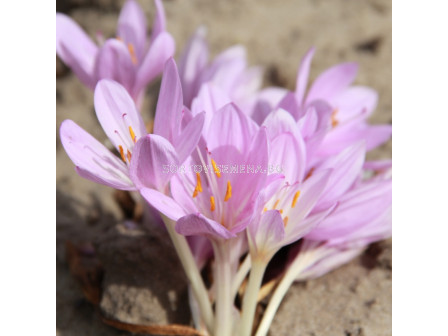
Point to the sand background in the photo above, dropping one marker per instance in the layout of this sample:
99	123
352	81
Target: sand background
138	288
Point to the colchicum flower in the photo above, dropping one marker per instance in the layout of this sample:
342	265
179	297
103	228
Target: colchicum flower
125	128
127	59
241	172
228	72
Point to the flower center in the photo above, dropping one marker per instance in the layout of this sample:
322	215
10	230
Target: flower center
285	207
214	198
126	148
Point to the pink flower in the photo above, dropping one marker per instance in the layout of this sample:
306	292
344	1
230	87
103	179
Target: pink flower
332	115
212	200
228	71
118	115
126	59
363	216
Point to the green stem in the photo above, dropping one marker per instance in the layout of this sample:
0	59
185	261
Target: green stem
223	286
192	272
251	297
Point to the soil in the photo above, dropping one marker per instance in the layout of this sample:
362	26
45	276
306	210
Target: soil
117	259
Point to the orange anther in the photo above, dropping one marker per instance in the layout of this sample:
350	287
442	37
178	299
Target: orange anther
198	187
228	192
216	169
334	121
131	132
132	52
310	173
122	153
294	200
275	204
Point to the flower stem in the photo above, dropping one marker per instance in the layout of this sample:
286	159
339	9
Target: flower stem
241	275
192	272
223	280
301	262
251	296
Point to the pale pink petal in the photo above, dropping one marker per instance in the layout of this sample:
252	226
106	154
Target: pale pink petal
114	62
159	20
378	165
308	123
168	116
76	49
356	209
334	258
354	101
289	103
346	168
192	62
92	159
117	113
209	100
166	205
296	232
160	50
302	76
332	82
230	126
265	102
132	27
226	68
267	233
280	121
197	224
247	84
346	135
182	186
310	192
152	158
289	153
187	141
376	135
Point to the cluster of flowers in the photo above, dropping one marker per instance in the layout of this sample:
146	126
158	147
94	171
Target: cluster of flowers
213	113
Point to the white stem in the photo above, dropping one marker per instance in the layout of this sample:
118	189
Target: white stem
297	266
192	272
251	297
223	280
241	275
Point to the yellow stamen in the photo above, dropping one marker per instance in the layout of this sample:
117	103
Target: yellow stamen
129	155
228	192
275	204
294	200
265	209
216	169
122	153
131	132
132	52
334	121
198	182
212	203
285	221
198	187
281	211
